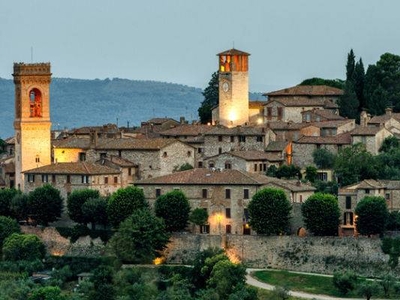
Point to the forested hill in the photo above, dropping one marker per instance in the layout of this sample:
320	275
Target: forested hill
76	102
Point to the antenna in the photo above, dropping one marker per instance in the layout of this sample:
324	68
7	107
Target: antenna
233	44
31	54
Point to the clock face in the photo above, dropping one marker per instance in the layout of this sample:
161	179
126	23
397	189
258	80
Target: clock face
225	86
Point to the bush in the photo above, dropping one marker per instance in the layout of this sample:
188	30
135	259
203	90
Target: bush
23	247
345	282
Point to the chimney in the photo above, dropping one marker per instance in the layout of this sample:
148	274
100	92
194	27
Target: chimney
388	111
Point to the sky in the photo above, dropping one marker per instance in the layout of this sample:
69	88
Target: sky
177	40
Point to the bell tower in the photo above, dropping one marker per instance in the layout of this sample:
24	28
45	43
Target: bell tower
233	108
32	118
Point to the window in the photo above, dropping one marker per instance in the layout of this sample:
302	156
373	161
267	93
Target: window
259	138
105	180
228	213
37	159
211	164
82	156
348	202
228	194
264	167
228	229
53	178
120	153
232	138
308	117
103	155
280	113
260	165
364	140
31	178
204	193
205	229
129	171
228	165
323	176
348	218
199	150
255	167
158	193
85	179
35	104
115	179
387	196
45	178
367	191
242	138
165	154
219	150
269	113
200	164
301	198
189	153
68	178
246	194
220	138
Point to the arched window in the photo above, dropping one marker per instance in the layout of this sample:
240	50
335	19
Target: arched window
35	103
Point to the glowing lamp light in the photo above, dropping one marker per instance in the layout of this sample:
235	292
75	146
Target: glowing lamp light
232	115
259	121
158	261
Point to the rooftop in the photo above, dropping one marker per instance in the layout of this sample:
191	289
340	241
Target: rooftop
307	90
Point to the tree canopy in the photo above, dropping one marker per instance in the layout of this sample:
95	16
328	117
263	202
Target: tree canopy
140	237
75	202
321	214
6	196
336	83
372	215
123	203
23	247
211	99
8	226
45	204
269	211
174	209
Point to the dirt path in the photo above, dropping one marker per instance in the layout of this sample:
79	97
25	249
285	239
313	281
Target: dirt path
254	282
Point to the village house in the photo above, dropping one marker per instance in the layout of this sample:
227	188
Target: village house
153	127
225	194
371	137
320	115
349	196
251	161
389	120
288	104
68	177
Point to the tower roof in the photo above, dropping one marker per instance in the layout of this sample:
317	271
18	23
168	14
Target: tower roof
233	51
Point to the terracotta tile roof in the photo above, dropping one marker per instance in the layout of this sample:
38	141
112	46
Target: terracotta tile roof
310	102
331	123
281	125
134	144
373	184
366	130
225	177
107	128
72	142
233	51
340	139
122	162
276	146
10	140
307	90
384	118
257	104
187	130
75	168
239	130
9	168
159	121
327	114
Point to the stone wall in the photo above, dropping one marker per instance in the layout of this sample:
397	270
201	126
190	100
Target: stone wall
306	254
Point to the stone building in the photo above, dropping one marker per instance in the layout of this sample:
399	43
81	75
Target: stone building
68	177
371	137
32	118
349	196
288	104
225	194
320	115
251	161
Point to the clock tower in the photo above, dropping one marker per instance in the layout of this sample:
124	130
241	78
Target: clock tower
32	118
233	108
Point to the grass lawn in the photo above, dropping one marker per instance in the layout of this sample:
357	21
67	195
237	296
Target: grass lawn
312	284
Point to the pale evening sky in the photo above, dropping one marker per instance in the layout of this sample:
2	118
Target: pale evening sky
177	40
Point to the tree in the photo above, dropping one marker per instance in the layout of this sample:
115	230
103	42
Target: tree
271	171
269	211
2	146
47	293
140	237
102	280
344	282
8	226
23	247
359	83
6	195
211	99
174	209
336	83
185	167
280	293
351	61
311	173
200	272
198	216
387	283
321	214
94	211
355	163
372	215
390	143
348	102
19	206
323	158
368	289
288	171
75	202
123	203
45	204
